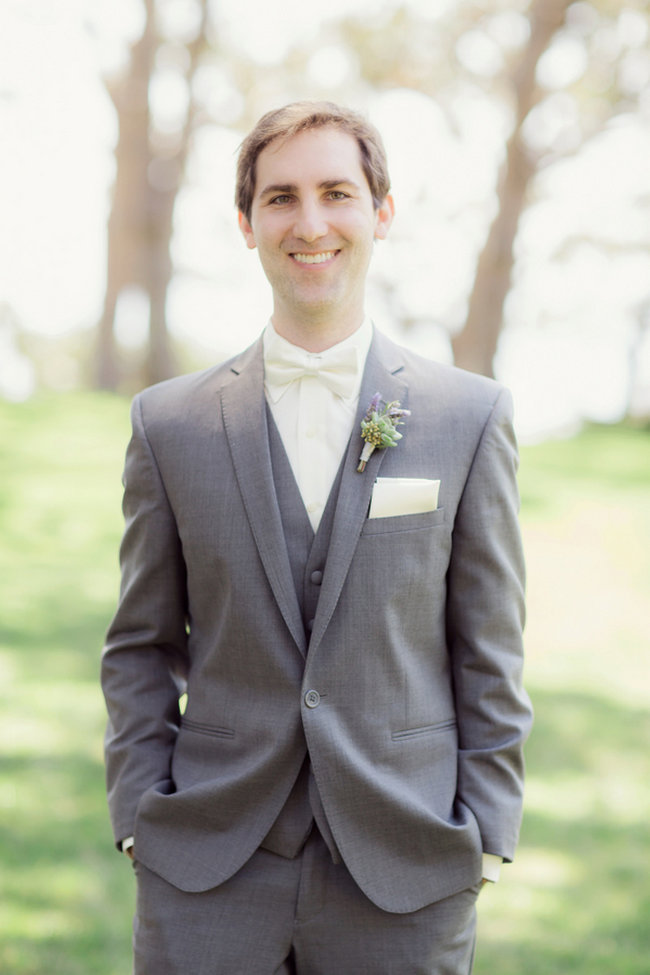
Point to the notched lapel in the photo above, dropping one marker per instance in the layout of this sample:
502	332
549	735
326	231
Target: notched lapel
244	415
381	374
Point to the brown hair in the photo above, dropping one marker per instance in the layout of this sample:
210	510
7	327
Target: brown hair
283	123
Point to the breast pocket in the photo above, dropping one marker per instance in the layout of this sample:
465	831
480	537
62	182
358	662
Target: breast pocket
404	523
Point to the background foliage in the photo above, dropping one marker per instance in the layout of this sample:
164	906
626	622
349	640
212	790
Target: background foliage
576	899
518	133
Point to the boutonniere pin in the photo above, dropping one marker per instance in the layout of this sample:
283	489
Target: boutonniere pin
379	427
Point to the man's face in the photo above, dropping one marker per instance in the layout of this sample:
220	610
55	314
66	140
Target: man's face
313	222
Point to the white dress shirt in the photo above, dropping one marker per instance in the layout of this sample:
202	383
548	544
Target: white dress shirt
315	423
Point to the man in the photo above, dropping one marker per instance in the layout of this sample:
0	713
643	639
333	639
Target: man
348	766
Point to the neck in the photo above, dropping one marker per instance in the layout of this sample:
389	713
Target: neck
315	335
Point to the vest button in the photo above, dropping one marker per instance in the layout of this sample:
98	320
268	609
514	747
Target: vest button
312	699
316	577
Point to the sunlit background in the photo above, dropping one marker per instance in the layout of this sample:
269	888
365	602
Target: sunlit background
439	78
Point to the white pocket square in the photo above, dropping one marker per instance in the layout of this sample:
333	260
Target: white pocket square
403	496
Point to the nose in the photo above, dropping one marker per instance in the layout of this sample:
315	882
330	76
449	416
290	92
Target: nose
310	222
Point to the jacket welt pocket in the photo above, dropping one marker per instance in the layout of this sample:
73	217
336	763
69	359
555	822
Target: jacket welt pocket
206	729
404	523
423	730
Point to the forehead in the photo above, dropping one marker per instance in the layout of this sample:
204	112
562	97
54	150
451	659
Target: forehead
315	155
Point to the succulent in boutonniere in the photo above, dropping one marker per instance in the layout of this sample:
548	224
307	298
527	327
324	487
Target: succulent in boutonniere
379	427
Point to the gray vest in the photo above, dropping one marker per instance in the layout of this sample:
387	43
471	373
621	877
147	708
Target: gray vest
307	555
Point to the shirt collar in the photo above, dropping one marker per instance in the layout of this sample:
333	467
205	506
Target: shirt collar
359	341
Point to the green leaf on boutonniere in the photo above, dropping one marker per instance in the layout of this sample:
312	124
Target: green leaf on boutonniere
379	427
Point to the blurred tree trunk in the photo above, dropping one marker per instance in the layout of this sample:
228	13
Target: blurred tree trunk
475	345
127	225
149	171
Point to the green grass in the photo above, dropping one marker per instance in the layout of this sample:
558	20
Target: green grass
577	898
65	897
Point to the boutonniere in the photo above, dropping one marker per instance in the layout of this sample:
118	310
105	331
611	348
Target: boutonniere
379	427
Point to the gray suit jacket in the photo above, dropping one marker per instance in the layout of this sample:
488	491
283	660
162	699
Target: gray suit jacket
415	651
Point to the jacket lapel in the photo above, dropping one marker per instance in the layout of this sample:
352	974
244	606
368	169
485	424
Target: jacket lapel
383	365
244	415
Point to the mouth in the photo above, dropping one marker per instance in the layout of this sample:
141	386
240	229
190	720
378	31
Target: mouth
321	258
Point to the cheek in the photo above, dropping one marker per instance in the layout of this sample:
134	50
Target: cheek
363	230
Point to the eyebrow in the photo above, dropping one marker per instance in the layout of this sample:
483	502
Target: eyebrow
326	184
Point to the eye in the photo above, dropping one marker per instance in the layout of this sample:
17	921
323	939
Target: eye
338	195
281	200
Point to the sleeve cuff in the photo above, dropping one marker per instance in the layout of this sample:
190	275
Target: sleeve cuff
491	867
126	844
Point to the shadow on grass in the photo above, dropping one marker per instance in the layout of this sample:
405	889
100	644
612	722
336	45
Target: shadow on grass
604	461
577	900
573	730
67	893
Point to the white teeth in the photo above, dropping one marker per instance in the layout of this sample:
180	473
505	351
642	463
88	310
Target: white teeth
313	258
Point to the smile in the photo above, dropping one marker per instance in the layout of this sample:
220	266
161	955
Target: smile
314	258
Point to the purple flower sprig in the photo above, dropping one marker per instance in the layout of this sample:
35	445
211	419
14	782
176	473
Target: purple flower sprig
379	427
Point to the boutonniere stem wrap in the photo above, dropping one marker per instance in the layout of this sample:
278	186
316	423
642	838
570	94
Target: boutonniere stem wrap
379	427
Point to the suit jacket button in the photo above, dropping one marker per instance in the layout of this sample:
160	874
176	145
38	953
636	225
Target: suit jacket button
316	577
312	699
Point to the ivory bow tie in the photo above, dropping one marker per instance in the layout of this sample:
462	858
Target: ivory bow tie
335	368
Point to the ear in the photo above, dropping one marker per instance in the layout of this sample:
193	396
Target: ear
247	230
384	218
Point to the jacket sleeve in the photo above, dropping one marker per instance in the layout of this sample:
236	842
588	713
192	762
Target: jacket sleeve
145	660
485	619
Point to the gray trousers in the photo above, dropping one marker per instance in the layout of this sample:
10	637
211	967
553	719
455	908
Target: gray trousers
304	916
